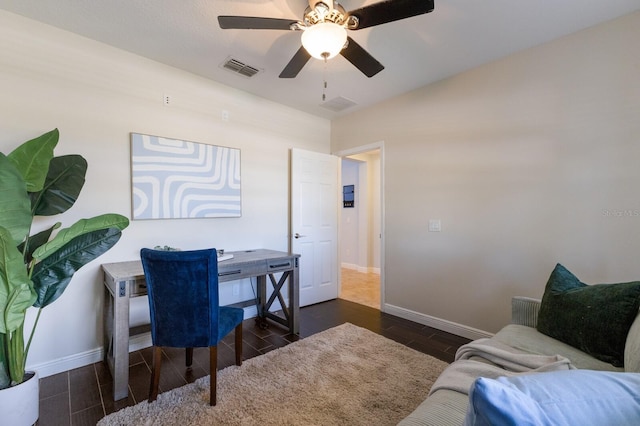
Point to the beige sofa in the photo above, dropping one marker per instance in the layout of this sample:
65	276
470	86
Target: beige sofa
449	407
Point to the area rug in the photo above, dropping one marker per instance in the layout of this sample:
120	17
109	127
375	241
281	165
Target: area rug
346	375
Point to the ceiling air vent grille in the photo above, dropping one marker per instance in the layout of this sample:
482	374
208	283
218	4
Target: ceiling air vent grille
240	67
338	104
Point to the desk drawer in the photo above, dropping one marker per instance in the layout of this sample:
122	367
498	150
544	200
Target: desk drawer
278	265
233	272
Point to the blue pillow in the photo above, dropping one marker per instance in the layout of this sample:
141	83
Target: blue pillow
573	397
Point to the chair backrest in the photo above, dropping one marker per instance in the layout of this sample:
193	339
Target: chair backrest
183	296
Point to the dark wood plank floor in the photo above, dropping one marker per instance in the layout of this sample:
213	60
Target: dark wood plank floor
85	395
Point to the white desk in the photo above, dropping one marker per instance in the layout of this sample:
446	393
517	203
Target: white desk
124	280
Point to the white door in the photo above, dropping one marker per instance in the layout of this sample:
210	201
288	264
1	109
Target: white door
314	223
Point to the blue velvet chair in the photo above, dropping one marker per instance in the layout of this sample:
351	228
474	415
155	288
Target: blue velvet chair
185	310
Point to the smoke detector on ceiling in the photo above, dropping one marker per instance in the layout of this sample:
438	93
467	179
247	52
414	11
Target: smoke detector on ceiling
239	67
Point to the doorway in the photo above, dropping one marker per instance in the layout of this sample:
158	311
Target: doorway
360	222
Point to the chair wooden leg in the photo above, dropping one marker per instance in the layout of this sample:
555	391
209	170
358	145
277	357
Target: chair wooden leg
238	333
188	361
213	366
155	373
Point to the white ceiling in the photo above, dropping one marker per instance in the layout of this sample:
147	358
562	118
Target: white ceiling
456	36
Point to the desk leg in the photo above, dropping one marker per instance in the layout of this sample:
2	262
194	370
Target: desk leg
262	301
292	311
107	325
294	299
120	344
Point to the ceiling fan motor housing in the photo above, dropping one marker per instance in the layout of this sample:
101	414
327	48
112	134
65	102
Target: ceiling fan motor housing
323	13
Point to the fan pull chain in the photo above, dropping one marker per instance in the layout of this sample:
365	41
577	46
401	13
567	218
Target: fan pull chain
324	80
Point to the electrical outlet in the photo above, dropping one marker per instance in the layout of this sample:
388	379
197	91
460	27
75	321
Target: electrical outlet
225	115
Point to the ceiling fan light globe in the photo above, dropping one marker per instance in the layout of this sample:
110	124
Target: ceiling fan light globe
324	40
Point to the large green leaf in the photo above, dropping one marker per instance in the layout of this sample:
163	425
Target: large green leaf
15	209
36	241
61	187
16	291
32	159
83	226
52	275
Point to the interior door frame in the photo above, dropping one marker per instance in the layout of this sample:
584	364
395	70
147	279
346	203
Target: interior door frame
361	150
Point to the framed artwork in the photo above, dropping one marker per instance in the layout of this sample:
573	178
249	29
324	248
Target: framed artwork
348	195
176	179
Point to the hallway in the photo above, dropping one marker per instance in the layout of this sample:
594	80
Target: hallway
360	287
361	226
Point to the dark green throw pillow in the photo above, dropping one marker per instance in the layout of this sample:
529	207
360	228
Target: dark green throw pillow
593	318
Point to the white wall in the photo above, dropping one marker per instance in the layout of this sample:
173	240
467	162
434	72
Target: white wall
96	95
527	161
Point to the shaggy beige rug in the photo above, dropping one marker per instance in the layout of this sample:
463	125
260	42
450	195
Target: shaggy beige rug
346	375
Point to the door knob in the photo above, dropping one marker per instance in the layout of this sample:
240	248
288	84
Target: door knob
298	236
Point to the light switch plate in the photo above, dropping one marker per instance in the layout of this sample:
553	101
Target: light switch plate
435	225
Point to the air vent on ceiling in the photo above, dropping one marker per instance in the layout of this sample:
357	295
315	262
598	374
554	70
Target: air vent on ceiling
240	67
338	104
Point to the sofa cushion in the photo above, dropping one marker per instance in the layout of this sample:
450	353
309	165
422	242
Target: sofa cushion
443	408
573	397
528	339
592	318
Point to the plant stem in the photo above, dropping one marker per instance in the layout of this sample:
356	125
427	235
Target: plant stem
33	330
5	377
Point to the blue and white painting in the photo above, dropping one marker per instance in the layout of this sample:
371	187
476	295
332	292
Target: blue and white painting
174	179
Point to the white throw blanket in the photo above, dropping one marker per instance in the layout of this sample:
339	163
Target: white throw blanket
492	359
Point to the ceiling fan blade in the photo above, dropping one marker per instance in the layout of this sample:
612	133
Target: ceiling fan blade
361	59
296	64
254	23
389	11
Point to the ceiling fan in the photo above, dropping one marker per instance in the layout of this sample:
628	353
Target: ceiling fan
325	24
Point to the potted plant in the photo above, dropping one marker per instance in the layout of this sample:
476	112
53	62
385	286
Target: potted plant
35	269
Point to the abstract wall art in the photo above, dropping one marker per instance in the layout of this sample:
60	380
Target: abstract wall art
176	179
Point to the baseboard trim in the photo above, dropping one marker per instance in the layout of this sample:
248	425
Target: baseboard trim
67	363
137	342
361	269
352	266
440	324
